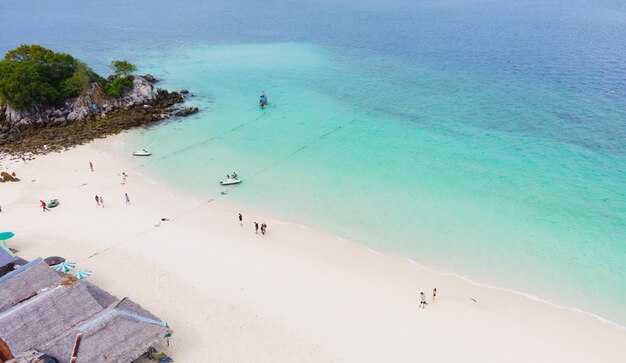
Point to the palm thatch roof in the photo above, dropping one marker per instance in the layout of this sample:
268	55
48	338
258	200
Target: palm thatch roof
112	330
26	281
120	333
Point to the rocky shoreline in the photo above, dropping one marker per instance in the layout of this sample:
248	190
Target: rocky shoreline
92	115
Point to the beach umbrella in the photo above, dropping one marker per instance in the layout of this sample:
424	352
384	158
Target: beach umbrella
82	274
6	235
64	266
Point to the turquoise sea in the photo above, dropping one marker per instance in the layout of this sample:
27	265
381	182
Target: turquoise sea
482	138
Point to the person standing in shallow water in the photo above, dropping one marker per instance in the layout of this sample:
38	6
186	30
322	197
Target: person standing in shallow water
256	228
240	220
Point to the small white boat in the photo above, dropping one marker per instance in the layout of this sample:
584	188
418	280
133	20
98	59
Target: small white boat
230	181
142	152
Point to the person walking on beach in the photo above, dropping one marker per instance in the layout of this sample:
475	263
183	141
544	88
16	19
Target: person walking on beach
43	206
423	300
240	220
91	166
434	294
263	227
101	201
127	198
97	200
256	228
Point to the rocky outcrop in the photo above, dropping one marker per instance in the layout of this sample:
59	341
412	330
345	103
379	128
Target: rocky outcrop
150	78
93	114
6	177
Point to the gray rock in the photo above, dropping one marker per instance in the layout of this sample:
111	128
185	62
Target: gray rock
186	111
150	78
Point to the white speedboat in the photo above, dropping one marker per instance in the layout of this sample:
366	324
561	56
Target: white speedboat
230	181
142	152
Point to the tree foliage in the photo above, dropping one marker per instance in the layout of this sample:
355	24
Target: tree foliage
122	67
32	75
118	86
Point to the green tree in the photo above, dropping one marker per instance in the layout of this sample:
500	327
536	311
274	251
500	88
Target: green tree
80	80
32	75
118	86
122	67
21	86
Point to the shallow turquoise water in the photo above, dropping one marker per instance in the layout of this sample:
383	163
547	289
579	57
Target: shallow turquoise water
483	138
346	147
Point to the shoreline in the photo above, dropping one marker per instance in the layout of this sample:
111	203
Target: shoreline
284	219
292	255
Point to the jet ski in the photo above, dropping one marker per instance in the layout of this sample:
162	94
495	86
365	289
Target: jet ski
142	152
231	179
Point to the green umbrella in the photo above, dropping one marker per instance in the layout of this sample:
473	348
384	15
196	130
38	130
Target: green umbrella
82	274
6	235
64	266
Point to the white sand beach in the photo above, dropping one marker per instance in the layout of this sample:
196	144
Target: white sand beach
295	294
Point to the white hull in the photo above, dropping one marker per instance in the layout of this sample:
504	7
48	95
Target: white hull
230	181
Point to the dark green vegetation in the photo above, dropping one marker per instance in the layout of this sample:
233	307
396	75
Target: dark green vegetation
122	82
32	76
117	86
122	67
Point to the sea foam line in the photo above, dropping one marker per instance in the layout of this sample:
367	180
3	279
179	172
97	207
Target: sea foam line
527	295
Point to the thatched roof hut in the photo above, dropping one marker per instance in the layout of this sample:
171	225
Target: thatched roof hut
112	330
26	281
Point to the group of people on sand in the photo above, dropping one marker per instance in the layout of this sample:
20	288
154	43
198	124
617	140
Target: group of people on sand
262	226
99	200
423	302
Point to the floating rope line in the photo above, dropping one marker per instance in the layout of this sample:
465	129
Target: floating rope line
203	204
